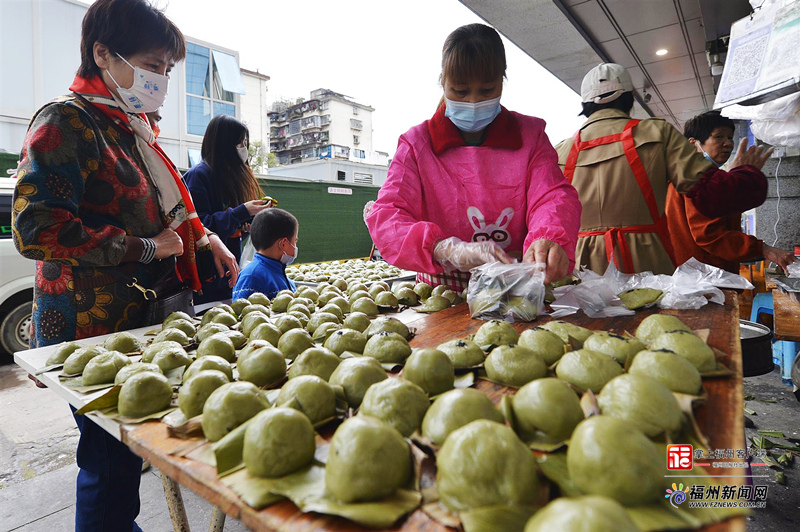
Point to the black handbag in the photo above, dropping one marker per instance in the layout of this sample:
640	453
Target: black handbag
157	309
166	296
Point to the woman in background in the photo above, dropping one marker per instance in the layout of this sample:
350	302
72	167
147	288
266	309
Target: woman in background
226	194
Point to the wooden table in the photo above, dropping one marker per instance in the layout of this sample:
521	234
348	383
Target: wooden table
786	315
721	418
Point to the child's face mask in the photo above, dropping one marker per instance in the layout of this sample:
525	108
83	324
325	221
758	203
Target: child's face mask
288	259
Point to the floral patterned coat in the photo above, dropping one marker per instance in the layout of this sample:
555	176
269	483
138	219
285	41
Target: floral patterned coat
82	188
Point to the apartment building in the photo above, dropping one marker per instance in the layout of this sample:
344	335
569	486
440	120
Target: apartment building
328	125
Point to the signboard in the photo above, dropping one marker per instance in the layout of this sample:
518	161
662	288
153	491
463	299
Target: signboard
782	58
763	60
338	190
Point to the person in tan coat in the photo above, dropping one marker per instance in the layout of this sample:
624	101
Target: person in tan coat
621	168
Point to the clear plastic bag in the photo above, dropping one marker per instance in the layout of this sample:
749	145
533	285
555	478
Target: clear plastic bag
692	285
794	269
248	252
778	132
510	292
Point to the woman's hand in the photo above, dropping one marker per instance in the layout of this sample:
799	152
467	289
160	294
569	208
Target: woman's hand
168	243
551	254
245	228
256	206
452	253
778	256
751	156
223	258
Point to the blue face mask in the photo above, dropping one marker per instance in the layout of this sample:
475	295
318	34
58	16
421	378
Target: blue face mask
472	117
707	156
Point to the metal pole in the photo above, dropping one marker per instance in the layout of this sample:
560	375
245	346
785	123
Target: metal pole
217	520
177	512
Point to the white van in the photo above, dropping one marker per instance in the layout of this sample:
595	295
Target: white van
16	280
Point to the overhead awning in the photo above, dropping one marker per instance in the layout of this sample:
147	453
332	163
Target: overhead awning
229	74
662	44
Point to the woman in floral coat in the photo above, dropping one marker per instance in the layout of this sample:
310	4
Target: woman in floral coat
106	215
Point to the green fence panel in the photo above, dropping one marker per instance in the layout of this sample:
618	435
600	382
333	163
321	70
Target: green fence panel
7	161
331	224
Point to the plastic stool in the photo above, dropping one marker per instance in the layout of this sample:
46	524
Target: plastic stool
783	352
790	350
762	304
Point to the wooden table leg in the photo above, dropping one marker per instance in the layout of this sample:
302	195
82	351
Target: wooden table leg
177	512
217	520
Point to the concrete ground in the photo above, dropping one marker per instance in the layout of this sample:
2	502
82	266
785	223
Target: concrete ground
38	439
37	462
783	501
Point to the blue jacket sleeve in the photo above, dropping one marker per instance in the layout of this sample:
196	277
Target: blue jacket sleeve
222	221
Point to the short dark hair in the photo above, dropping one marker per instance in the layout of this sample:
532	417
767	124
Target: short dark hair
127	27
624	103
703	125
271	225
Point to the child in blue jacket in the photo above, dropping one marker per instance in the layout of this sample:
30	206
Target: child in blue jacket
274	237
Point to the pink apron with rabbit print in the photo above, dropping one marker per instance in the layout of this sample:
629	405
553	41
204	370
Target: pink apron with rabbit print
437	189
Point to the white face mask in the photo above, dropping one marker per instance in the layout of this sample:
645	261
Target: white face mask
243	154
148	92
288	259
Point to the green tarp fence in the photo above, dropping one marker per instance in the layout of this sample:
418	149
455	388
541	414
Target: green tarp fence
330	217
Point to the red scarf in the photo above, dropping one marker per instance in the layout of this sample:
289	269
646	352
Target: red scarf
503	132
191	229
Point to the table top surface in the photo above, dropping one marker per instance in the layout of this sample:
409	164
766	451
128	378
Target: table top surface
786	308
720	417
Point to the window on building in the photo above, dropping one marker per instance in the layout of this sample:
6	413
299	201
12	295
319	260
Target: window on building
194	157
212	80
356	124
227	76
355	110
311	121
356	140
324	105
341	175
309	153
362	179
294	127
325	120
358	154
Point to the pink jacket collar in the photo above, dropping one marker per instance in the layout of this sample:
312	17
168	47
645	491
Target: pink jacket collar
503	132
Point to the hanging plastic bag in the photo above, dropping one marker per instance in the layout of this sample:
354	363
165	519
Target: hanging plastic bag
248	252
778	132
511	292
793	269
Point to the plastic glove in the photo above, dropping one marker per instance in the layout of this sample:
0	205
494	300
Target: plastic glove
454	254
368	209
